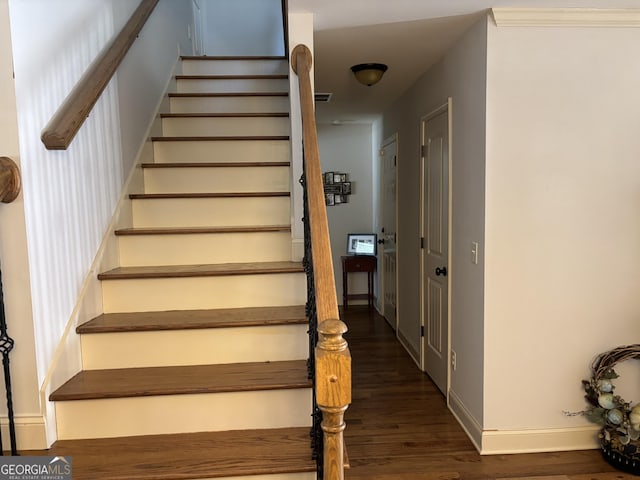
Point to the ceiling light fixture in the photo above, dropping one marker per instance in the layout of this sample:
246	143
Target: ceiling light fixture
369	73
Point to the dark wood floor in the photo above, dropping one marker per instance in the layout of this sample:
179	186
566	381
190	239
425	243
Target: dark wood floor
399	427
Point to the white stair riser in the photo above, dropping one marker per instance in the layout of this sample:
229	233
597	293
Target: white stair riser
235	67
233	85
222	151
166	414
192	249
216	179
194	293
265	104
211	212
225	126
194	347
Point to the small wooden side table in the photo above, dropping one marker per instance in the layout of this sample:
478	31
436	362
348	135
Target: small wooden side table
358	263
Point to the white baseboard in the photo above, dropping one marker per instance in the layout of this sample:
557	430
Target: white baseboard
30	433
467	421
532	441
415	355
501	442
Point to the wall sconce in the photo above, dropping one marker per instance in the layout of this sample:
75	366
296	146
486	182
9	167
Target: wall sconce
369	73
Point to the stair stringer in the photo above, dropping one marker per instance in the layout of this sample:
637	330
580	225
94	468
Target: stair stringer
297	159
67	360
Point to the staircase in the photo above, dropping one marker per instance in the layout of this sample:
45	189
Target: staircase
197	369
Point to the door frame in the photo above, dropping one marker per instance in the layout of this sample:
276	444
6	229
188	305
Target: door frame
445	107
390	139
197	43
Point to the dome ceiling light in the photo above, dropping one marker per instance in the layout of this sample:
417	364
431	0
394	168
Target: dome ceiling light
369	73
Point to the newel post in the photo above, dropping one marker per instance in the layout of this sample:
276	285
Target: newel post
333	393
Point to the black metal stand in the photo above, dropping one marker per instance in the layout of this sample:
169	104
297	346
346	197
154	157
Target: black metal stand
6	345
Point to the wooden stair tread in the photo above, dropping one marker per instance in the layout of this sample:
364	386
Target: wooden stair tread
225	115
233	77
256	138
214	164
227	94
194	319
184	380
199	230
152	196
205	270
190	455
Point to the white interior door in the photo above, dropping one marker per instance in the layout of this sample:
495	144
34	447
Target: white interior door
435	243
389	155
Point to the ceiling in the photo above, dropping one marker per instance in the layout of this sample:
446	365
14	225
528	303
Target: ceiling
407	35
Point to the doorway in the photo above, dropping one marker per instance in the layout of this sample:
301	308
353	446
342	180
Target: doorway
435	241
388	238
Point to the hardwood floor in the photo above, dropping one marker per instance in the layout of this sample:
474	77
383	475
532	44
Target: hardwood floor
399	427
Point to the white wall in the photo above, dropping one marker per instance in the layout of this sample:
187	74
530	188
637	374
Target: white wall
242	27
70	195
563	216
14	262
347	149
144	72
461	74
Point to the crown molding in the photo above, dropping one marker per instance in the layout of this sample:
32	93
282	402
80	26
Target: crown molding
566	17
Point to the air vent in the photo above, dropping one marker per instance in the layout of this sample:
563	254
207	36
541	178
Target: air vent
323	97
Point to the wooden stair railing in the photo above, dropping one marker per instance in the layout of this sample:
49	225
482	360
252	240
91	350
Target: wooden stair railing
66	122
10	185
332	362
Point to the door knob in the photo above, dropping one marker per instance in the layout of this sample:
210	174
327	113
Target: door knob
441	271
381	241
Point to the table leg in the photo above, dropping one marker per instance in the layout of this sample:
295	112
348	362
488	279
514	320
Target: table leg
345	288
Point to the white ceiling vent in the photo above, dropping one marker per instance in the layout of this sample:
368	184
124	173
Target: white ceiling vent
323	97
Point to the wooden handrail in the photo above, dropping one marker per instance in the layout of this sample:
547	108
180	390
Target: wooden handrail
326	298
332	357
66	122
10	182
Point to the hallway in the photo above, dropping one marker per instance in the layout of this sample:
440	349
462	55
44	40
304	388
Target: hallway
398	426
